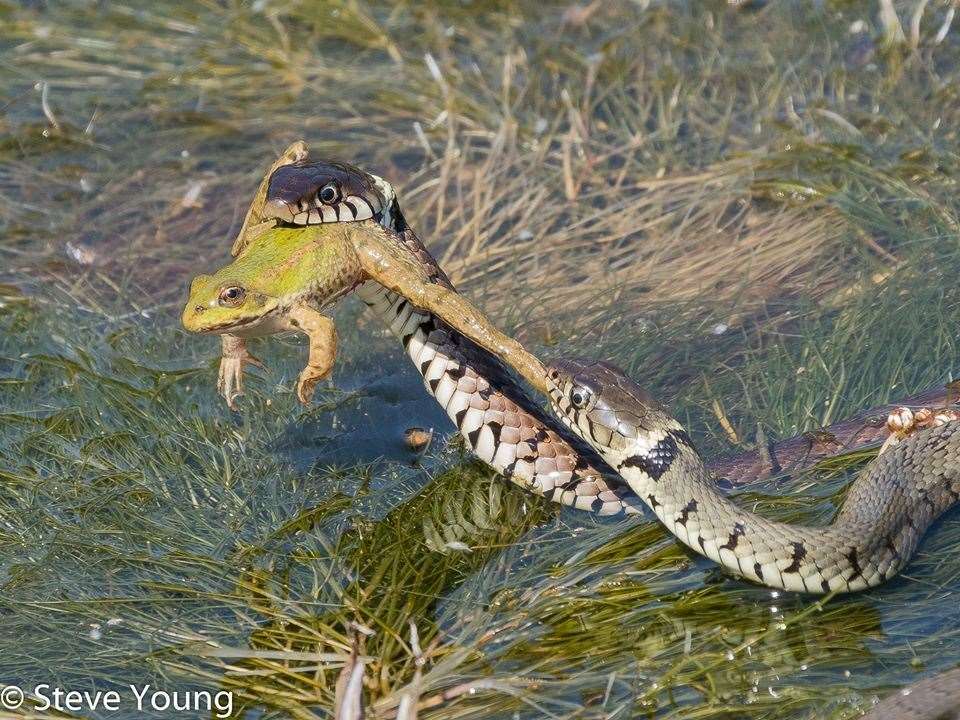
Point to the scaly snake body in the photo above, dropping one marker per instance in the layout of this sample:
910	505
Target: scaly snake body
497	420
885	514
879	527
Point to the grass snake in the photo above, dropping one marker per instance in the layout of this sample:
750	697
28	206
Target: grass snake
615	423
618	425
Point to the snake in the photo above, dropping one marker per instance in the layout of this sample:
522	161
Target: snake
613	423
612	448
886	511
496	418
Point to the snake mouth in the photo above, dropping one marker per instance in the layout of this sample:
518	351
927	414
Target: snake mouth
282	223
302	213
561	415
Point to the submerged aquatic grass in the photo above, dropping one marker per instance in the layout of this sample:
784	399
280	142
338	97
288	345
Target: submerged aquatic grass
752	210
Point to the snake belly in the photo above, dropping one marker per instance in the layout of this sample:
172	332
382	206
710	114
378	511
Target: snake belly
498	421
887	509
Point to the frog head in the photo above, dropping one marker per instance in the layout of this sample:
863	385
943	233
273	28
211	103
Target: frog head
227	302
281	267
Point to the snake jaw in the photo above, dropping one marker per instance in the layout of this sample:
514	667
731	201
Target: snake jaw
325	191
279	209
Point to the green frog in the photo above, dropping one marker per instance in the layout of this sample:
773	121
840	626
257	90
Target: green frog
277	286
284	277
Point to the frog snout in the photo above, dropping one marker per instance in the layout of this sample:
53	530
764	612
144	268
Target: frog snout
191	317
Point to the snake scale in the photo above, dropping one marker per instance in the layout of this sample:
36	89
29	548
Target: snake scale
613	421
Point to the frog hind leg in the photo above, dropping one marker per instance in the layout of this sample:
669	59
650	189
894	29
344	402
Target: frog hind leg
322	334
384	259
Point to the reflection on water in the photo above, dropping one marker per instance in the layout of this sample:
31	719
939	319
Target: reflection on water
366	420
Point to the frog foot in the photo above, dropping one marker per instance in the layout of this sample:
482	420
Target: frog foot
234	355
322	334
307	383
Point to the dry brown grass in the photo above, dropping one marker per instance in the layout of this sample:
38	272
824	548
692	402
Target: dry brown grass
686	239
518	194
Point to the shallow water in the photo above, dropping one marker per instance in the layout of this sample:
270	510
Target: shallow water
752	210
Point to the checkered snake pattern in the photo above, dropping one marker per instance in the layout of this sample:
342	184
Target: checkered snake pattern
610	421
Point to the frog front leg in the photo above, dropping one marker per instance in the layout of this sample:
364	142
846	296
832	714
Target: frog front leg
322	335
233	356
384	260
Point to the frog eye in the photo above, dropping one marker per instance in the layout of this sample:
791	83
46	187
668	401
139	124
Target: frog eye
329	193
232	296
580	397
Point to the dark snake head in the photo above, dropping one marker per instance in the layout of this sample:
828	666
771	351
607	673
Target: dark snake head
602	404
324	191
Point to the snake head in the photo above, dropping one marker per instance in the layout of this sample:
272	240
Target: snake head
312	193
601	404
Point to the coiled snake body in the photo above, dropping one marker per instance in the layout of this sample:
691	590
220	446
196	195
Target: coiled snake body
883	518
885	514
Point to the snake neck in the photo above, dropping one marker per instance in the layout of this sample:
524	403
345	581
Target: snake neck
391	217
887	509
497	421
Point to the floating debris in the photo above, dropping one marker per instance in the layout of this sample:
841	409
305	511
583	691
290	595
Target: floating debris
81	254
417	438
191	198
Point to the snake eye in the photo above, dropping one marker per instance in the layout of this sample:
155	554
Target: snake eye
579	397
329	193
232	296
